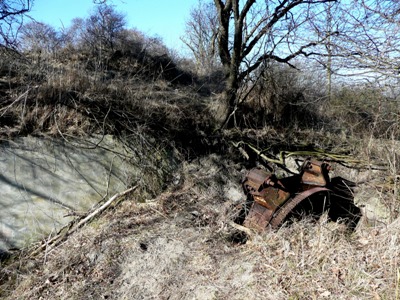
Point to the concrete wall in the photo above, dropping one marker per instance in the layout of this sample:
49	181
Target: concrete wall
41	180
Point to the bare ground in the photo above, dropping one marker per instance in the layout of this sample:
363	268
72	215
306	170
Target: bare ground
181	245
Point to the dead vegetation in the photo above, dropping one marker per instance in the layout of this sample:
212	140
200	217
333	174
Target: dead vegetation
182	243
56	99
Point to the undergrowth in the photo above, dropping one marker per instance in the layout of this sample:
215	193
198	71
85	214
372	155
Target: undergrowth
180	243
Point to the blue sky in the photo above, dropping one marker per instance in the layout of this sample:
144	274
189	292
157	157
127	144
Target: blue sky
162	18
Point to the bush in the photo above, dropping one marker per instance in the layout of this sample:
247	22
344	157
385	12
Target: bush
361	110
283	97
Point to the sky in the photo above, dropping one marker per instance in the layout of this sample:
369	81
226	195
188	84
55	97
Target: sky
155	18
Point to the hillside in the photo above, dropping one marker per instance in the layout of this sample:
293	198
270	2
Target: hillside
175	238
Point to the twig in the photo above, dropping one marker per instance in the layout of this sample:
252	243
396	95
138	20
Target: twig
59	237
240	228
258	152
320	153
109	177
24	94
101	208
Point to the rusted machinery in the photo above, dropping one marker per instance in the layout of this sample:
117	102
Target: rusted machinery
272	200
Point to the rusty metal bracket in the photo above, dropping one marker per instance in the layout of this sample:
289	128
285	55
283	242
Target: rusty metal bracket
314	173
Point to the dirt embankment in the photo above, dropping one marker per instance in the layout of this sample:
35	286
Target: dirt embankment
180	245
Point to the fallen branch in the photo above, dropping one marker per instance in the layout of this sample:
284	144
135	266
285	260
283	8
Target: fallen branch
345	160
53	242
101	209
258	152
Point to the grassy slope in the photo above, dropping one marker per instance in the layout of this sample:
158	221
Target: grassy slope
180	245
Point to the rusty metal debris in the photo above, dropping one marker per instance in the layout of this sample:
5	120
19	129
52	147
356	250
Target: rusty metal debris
273	200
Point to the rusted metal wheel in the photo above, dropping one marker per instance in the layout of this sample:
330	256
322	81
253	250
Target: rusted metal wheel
282	212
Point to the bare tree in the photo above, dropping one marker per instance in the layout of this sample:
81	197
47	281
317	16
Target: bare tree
11	19
103	28
73	36
372	40
327	26
39	37
261	32
201	37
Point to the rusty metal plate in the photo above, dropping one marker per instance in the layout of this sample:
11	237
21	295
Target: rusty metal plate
272	197
258	217
314	174
255	179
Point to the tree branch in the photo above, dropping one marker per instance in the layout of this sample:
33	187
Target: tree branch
287	59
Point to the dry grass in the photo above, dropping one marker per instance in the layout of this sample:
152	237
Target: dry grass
56	97
180	246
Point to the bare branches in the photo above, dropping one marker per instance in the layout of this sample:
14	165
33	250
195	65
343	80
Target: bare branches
201	37
371	37
261	32
11	19
14	8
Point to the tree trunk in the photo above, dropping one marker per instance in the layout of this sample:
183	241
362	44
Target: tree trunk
230	95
